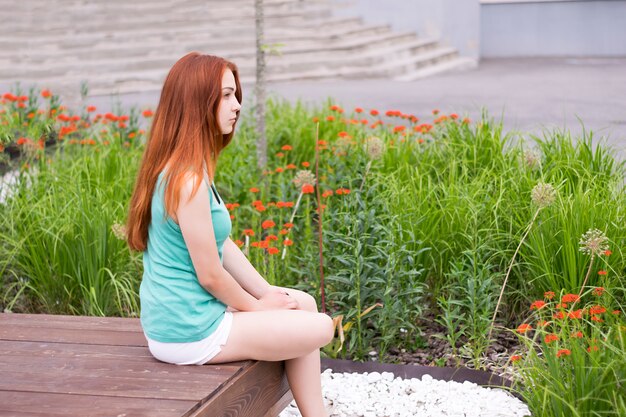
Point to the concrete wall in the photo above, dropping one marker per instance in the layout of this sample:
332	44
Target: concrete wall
453	22
564	28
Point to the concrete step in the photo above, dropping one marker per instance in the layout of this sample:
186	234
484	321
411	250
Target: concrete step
456	64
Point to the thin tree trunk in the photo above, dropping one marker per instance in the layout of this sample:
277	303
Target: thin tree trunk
261	146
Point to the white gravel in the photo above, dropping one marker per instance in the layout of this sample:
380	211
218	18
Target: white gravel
381	395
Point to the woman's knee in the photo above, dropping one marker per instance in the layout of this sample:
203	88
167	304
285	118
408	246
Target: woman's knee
326	329
306	302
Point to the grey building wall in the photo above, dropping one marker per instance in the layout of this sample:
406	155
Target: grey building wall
453	22
561	28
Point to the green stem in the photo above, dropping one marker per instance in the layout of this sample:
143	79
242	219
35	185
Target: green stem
508	272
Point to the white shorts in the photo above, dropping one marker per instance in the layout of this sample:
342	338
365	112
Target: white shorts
193	353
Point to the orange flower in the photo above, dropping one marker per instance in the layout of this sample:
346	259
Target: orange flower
466	121
248	232
283	232
548	295
327	193
23	141
45	93
147	113
570	298
524	327
260	208
598	291
316	119
254	190
608	252
561	305
291	166
602	272
550	337
330	118
341	191
358	110
615	312
280	155
273	251
288	225
559	315
343	134
289	204
597	310
436	112
238	243
307	189
287	242
267	224
306	164
374	112
563	352
279	170
271	237
399	129
537	305
334	107
592	348
543	323
131	135
516	358
596	319
576	314
454	116
91	109
577	335
286	147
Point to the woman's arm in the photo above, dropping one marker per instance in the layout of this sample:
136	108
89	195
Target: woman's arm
238	265
197	229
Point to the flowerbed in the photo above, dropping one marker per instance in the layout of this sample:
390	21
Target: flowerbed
418	218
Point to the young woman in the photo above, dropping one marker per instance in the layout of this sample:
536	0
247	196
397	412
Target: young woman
201	299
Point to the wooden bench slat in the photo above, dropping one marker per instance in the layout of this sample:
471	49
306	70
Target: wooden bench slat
92	337
104	367
110	386
13	403
72	322
95	353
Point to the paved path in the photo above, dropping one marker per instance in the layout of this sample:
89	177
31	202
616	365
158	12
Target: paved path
530	94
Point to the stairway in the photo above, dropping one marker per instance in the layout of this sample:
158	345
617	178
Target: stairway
120	46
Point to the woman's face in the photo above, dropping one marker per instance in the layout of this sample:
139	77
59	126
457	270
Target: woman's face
229	107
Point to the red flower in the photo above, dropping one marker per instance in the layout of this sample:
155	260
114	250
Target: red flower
602	272
436	112
607	252
596	319
260	208
598	291
305	164
550	337
291	166
330	118
597	310
316	119
45	93
399	129
271	237
283	232
577	335
254	190
543	323
592	348
307	189
537	305
288	225
280	155
279	170
341	191
516	358
570	298
615	312
576	314
289	204
524	327
563	352
358	110
267	224
23	141
374	112
335	107
559	315
248	232
548	295
147	113
273	251
91	109
238	243
286	147
327	193
343	134
287	242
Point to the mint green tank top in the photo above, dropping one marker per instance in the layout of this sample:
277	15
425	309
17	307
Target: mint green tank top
175	308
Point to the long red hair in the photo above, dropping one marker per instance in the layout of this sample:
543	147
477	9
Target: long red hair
185	136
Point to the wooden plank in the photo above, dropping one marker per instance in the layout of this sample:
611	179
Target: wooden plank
108	354
251	393
280	405
167	387
92	337
72	322
14	403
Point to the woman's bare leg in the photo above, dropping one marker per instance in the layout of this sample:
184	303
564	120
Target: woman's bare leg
291	335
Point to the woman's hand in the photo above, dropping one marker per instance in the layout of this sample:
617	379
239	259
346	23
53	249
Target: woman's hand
276	299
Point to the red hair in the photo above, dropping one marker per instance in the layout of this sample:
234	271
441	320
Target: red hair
185	136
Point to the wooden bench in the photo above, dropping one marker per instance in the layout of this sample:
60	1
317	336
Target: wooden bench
94	366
